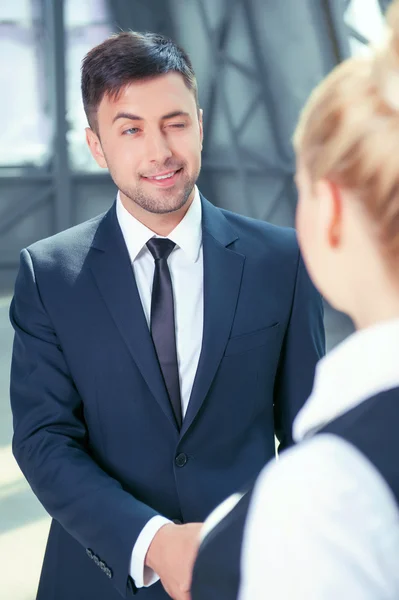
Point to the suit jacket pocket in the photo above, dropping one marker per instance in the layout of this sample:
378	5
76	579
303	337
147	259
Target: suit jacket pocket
249	341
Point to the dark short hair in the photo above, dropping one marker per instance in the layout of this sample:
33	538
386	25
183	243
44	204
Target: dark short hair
127	57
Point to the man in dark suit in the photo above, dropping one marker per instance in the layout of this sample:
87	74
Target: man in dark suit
158	348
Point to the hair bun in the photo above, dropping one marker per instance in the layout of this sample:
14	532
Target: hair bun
386	61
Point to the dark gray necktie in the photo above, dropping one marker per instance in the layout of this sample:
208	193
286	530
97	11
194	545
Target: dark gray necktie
163	321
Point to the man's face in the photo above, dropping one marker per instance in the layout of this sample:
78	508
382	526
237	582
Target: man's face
150	139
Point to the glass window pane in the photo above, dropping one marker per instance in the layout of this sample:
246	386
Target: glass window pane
25	134
365	17
87	24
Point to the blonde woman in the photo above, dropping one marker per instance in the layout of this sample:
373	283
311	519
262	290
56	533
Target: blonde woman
323	521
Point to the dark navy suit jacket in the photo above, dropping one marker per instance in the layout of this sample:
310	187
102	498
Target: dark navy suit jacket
94	432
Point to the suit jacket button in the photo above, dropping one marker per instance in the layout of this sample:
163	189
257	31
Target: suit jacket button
181	460
89	553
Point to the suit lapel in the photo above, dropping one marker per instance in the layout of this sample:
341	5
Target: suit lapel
112	270
223	269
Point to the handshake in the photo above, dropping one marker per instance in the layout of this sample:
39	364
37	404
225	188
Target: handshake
171	556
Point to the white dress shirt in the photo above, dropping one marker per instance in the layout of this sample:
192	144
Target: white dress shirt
323	523
186	270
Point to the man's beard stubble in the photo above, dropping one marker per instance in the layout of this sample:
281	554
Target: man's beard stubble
170	202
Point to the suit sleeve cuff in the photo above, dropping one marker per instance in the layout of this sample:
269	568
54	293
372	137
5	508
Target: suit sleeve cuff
142	575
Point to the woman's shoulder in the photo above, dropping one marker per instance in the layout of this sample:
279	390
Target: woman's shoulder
325	473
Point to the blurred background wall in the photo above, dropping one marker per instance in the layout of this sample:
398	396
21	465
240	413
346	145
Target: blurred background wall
256	63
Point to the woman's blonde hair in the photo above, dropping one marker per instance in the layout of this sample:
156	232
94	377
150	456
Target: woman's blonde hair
348	132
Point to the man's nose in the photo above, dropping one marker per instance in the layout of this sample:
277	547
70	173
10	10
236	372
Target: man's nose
158	149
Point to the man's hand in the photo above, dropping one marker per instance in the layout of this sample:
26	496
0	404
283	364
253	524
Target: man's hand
172	554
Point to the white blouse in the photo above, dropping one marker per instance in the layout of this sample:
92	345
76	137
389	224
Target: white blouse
323	524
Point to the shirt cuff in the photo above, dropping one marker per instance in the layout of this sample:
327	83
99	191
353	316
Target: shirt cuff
142	575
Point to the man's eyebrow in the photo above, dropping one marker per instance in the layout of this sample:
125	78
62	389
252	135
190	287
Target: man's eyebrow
132	117
175	113
126	115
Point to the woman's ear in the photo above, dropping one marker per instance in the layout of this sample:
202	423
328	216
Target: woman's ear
330	197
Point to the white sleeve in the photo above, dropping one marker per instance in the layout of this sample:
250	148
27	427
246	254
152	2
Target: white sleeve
142	575
219	513
322	524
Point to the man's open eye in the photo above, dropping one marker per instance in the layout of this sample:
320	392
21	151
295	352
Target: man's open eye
130	131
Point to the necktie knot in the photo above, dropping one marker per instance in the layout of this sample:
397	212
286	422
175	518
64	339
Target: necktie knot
160	247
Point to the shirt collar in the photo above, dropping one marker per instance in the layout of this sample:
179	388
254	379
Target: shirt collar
363	365
187	234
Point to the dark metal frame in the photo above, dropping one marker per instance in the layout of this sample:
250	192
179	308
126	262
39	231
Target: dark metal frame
61	174
338	29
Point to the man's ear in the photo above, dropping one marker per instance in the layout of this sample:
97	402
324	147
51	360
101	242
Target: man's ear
330	196
95	147
201	125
